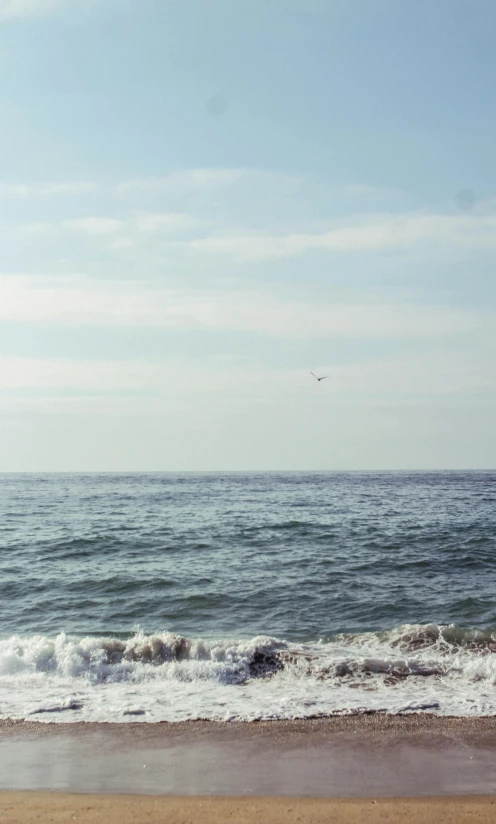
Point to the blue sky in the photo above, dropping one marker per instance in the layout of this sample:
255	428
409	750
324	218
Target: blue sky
201	201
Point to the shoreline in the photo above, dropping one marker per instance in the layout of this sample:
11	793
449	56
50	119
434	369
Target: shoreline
338	757
414	724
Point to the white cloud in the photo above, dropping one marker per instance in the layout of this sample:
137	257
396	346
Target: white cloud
180	223
20	9
189	196
114	232
80	300
10	9
371	233
430	374
185	180
165	223
91	225
204	181
120	375
25	191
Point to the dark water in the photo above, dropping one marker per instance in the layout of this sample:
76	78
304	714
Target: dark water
297	556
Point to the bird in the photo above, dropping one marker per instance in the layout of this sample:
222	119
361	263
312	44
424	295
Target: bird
319	379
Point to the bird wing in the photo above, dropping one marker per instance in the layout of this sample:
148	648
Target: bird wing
323	377
313	373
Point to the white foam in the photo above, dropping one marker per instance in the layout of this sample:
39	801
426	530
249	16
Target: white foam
165	677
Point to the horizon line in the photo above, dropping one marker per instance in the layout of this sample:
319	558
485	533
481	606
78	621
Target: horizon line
232	471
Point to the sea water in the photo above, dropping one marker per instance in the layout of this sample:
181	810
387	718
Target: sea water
149	597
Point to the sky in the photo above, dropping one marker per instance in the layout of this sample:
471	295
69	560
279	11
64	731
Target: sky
201	201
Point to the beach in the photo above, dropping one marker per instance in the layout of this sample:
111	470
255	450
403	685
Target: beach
387	768
43	807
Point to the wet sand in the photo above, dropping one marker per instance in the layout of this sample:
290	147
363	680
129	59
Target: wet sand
53	807
343	757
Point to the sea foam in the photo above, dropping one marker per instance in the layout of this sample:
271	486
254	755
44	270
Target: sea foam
168	677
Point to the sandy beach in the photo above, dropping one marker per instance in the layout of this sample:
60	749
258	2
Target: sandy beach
344	769
53	807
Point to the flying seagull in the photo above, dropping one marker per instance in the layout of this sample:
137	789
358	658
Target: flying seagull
320	379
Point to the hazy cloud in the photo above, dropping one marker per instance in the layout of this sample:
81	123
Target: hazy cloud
80	300
167	223
19	9
10	9
408	376
371	233
184	180
52	190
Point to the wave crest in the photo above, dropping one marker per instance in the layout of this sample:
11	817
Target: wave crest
104	659
166	676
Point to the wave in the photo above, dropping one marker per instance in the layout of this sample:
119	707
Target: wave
165	676
406	650
100	660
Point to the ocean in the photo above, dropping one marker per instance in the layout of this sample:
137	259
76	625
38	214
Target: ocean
168	597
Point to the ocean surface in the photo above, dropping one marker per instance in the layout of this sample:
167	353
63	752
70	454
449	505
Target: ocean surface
138	597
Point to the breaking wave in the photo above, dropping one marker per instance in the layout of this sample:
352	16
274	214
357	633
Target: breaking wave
142	657
448	670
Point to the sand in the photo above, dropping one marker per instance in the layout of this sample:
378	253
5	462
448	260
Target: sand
90	809
363	768
358	756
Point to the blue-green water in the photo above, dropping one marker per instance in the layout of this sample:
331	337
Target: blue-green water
114	561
